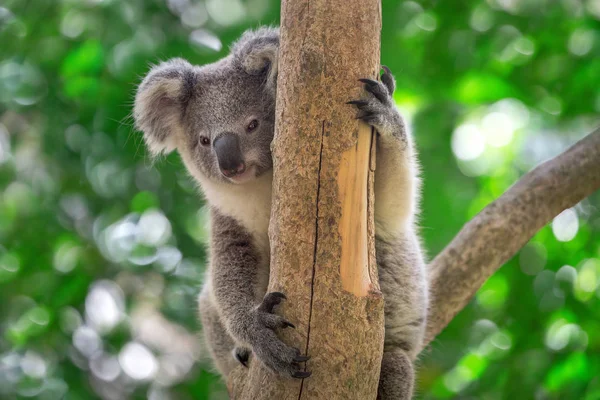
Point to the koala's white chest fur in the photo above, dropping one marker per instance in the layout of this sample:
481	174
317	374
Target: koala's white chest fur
250	206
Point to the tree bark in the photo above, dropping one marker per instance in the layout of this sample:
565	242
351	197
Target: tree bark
322	229
493	236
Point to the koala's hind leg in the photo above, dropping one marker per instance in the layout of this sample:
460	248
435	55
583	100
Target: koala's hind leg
397	376
218	342
402	280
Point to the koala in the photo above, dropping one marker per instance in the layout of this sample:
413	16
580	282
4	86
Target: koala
220	118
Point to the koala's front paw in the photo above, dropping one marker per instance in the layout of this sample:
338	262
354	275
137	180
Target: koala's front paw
377	107
267	347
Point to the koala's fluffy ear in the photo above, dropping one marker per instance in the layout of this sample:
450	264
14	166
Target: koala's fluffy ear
160	102
257	52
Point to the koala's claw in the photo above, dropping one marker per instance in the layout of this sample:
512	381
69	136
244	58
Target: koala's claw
388	79
377	108
270	301
288	324
301	374
360	103
301	358
242	355
377	89
266	346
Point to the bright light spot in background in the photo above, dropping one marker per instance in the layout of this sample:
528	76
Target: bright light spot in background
70	320
173	367
426	21
4	144
104	306
39	316
76	137
567	274
561	333
588	279
468	142
501	341
481	329
108	178
565	225
74	206
195	16
33	365
168	258
494	292
516	111
10	365
508	5
87	341
178	6
497	128
581	41
551	105
20	197
24	83
202	38
10	265
457	379
105	367
574	8
593	7
482	18
467	370
66	257
72	24
119	239
197	227
153	228
137	361
226	12
524	46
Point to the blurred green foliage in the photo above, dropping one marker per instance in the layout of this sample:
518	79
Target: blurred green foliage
102	252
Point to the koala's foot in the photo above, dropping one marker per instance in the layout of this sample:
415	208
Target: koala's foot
397	376
267	347
377	107
242	354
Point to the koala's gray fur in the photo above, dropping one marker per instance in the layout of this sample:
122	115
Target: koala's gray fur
220	118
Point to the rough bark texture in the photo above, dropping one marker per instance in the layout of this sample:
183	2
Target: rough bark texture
321	232
493	236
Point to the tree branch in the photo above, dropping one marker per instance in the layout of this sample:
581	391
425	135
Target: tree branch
493	236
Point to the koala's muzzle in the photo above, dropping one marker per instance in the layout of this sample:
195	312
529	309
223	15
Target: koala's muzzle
229	154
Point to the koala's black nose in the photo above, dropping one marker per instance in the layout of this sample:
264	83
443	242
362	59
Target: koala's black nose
229	155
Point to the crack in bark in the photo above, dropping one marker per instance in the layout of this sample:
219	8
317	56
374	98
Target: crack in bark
314	267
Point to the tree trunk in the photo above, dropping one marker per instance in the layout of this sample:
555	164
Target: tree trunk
322	229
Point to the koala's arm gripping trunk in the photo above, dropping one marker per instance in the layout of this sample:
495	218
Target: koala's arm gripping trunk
321	232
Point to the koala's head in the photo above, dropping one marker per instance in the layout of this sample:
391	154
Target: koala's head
220	117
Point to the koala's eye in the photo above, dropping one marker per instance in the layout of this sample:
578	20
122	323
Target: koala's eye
204	140
252	125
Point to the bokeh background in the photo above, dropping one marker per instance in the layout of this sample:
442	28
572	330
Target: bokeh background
102	251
